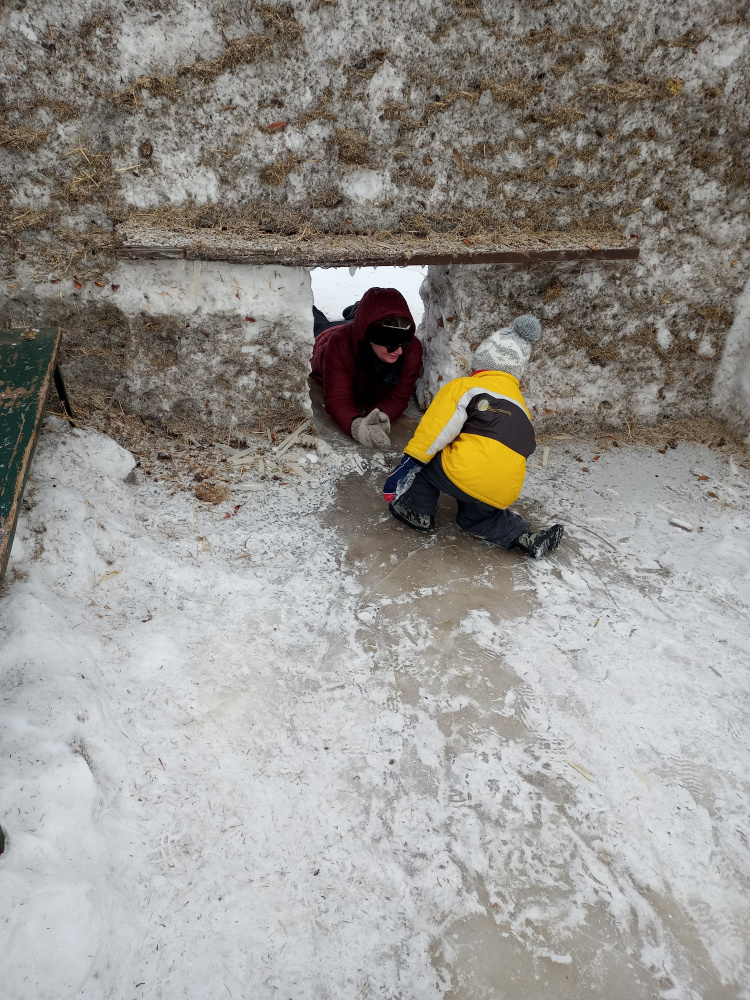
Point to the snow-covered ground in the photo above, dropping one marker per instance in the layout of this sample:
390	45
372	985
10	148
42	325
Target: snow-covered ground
335	288
294	750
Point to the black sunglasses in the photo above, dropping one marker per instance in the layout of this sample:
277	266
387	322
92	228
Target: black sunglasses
389	335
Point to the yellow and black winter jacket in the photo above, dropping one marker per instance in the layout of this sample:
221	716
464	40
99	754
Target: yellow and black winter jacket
483	429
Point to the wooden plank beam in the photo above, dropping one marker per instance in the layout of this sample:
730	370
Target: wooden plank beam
504	257
335	250
364	260
27	362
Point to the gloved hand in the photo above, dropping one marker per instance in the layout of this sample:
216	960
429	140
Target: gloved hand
373	430
401	478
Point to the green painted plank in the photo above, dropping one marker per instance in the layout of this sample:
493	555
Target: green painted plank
27	364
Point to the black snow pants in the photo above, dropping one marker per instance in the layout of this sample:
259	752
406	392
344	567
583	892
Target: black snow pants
494	524
321	321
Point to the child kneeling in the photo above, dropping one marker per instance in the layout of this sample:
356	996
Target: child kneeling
472	443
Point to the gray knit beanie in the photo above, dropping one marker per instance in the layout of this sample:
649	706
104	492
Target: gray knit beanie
508	350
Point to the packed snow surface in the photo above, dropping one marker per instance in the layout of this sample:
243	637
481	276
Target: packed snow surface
294	750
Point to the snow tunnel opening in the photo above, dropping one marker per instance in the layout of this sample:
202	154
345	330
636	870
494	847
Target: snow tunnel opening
246	308
335	288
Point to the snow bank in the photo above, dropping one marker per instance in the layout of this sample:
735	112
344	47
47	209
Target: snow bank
205	348
444	332
599	363
731	391
323	117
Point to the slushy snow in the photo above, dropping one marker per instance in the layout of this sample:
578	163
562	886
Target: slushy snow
267	755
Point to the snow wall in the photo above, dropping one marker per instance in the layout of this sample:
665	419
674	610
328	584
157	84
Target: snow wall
203	348
468	116
588	370
731	397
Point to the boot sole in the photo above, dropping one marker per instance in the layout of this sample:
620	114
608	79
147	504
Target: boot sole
403	520
549	544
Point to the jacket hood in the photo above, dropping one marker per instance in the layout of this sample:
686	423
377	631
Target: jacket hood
377	303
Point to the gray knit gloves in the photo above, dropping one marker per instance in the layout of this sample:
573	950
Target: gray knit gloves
373	430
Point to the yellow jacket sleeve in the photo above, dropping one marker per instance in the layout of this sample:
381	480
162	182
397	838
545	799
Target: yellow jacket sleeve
441	423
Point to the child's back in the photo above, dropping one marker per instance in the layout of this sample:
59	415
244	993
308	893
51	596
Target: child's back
472	444
487	459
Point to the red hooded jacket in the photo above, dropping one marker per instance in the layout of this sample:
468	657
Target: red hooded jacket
349	390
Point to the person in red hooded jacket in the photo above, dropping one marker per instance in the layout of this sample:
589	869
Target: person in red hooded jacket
369	365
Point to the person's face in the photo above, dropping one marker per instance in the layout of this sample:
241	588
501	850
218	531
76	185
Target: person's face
385	354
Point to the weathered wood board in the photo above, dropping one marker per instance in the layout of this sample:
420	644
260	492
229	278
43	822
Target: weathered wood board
334	250
27	364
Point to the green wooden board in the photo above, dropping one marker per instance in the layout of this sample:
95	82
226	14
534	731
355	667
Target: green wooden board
27	364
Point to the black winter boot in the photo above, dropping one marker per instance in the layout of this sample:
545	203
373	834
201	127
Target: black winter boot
538	543
422	522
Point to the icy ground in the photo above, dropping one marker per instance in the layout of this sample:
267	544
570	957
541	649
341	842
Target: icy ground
298	751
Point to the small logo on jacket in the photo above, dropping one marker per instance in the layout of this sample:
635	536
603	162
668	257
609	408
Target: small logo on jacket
483	406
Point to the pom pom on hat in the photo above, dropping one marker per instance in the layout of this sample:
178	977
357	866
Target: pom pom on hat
509	349
527	328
